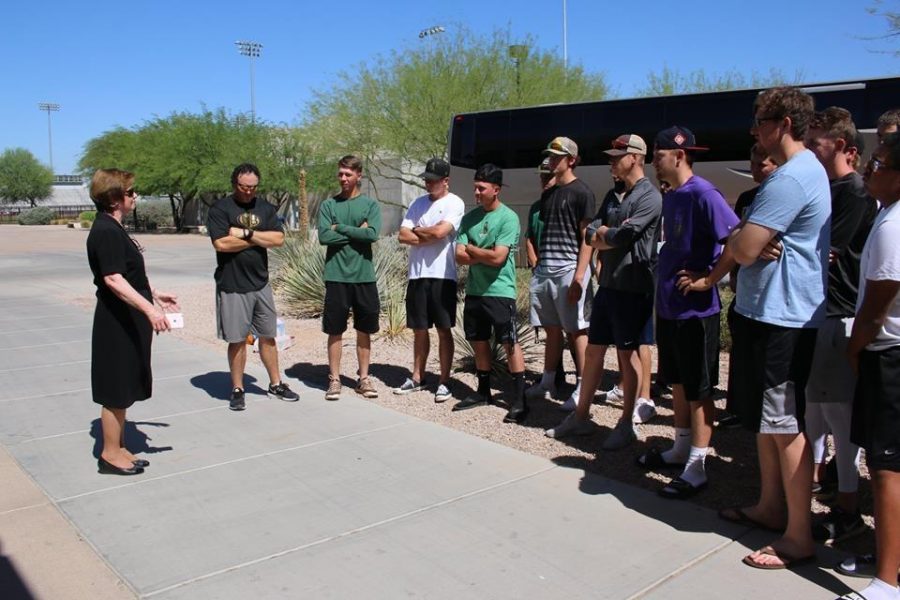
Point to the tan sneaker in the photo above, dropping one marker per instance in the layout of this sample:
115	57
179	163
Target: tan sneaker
365	388
334	388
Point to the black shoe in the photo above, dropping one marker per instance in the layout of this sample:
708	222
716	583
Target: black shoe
237	399
473	401
653	461
517	412
679	489
107	468
140	462
283	392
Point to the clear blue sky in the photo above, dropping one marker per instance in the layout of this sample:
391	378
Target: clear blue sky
119	63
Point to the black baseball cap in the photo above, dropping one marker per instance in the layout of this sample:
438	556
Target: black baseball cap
436	168
489	173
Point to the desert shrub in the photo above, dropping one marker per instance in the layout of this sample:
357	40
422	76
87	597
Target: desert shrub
300	263
87	215
465	352
40	215
726	296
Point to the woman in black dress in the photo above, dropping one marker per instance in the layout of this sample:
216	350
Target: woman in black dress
124	320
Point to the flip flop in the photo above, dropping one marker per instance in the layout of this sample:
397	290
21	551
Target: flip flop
737	515
653	461
787	561
679	489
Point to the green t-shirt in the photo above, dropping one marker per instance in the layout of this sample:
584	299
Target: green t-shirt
535	226
348	257
500	227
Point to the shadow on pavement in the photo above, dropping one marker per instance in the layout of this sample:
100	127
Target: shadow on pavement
11	585
218	384
686	520
136	440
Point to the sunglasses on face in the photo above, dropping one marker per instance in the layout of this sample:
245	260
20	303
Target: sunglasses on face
130	192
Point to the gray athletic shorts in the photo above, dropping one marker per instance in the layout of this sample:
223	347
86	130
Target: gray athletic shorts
550	306
238	314
831	378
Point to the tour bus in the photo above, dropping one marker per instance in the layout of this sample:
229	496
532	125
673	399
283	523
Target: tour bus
514	138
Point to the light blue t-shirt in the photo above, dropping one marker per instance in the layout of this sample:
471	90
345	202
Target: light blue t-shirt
795	201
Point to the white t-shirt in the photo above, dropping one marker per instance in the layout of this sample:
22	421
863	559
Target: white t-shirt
437	259
881	261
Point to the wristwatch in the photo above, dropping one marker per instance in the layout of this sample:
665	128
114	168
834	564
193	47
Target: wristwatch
248	233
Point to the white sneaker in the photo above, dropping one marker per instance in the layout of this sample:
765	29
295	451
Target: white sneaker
571	425
644	410
539	391
615	395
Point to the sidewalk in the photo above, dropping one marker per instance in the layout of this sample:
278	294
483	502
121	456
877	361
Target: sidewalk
311	499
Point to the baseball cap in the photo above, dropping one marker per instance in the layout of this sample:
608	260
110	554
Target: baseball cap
544	167
677	138
436	168
561	146
627	144
489	173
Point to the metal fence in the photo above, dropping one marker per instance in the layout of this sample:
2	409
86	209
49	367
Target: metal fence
10	214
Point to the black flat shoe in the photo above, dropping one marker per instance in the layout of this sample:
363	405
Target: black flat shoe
679	489
106	468
140	462
516	414
473	401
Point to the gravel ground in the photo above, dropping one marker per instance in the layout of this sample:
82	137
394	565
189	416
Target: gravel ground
731	466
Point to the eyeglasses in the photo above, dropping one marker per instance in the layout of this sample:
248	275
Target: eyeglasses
247	188
758	121
876	164
130	192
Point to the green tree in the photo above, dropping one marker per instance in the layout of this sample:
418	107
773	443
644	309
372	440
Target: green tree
188	157
670	81
22	177
395	111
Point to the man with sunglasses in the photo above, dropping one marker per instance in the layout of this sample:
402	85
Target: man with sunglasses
780	304
561	285
242	228
623	305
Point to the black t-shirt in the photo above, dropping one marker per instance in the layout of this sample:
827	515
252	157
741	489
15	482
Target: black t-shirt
852	214
247	270
110	250
744	201
565	206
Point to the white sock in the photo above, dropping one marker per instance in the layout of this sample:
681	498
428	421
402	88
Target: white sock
547	380
681	448
695	468
880	590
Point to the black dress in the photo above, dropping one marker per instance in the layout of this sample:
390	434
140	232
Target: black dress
120	344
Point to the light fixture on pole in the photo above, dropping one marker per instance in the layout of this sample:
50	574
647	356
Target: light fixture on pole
251	50
431	31
49	107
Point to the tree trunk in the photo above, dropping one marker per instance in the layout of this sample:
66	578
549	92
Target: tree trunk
304	206
176	214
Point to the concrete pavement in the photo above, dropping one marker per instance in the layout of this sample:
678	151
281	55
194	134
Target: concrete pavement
310	499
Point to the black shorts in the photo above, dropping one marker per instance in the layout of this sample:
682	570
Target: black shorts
770	368
341	297
620	319
689	354
430	303
483	314
876	408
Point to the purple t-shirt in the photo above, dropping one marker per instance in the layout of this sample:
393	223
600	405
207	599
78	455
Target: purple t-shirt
695	219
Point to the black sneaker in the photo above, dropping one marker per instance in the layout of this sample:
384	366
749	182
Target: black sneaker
837	526
237	399
283	392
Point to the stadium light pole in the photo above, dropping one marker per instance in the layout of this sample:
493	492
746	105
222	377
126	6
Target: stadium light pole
518	52
49	107
252	51
565	38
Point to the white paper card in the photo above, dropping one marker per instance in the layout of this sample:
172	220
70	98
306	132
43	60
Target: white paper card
176	320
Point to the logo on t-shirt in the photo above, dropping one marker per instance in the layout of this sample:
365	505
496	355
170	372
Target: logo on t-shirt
248	220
